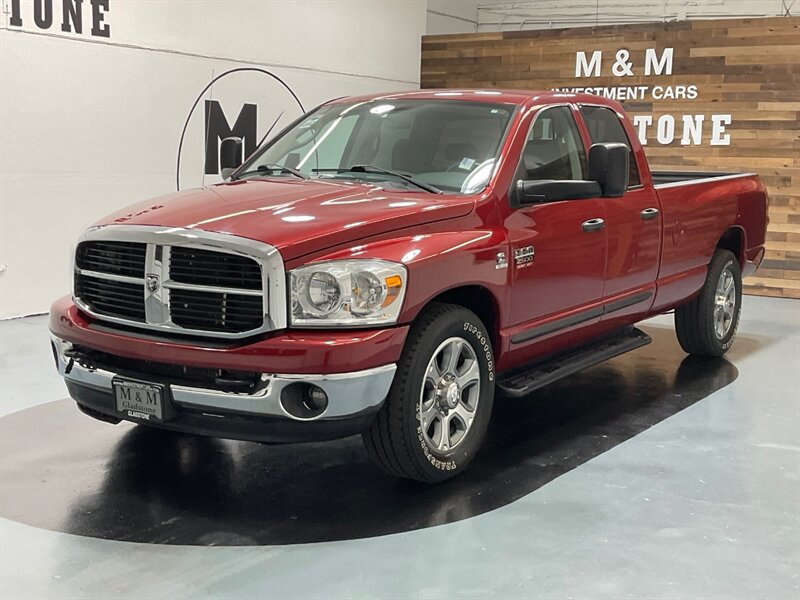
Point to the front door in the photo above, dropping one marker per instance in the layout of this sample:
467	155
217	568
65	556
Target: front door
558	249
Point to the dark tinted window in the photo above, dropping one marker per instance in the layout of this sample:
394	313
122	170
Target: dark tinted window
604	126
554	149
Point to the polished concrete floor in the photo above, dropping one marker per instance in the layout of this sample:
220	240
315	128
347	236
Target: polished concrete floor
651	476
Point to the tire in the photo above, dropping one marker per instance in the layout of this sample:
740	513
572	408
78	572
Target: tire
427	429
704	326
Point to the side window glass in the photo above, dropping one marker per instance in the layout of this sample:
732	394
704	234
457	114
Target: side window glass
553	149
604	126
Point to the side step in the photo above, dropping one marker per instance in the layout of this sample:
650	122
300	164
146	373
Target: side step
545	372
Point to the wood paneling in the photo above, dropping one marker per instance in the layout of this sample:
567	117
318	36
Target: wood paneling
747	68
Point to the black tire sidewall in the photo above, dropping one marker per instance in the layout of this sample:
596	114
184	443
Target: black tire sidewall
457	323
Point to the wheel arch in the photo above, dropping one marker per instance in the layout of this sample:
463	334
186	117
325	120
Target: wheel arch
734	240
479	300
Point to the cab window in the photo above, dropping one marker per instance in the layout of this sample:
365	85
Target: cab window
553	148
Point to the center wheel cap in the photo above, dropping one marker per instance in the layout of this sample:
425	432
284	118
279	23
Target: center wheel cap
452	394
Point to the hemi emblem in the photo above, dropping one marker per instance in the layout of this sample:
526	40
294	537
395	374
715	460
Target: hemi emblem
152	283
501	262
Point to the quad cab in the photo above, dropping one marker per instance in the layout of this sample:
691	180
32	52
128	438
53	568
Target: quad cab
387	265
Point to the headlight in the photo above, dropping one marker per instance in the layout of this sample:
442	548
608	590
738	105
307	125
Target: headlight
347	293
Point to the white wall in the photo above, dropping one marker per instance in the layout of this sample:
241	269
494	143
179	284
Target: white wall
452	16
464	16
90	124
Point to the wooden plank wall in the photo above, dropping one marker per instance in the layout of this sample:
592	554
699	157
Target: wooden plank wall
747	68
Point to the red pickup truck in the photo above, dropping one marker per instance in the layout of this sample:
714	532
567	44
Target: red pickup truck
385	263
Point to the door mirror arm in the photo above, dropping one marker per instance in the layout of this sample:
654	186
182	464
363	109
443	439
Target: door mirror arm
539	191
608	178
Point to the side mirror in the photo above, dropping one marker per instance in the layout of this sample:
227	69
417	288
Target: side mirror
552	190
608	166
230	155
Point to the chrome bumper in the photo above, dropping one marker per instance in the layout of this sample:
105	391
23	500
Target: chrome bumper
349	394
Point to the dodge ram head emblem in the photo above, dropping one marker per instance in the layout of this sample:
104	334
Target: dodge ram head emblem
152	283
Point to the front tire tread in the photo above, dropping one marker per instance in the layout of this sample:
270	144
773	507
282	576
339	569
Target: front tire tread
388	441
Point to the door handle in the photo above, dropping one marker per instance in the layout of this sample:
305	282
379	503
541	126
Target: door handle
593	225
649	214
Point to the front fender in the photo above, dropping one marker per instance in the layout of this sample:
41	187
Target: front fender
442	261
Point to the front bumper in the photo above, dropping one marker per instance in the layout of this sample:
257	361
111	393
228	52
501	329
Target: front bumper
353	400
258	413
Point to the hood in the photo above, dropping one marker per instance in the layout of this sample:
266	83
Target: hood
297	217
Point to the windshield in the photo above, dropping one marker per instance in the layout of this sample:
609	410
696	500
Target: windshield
415	145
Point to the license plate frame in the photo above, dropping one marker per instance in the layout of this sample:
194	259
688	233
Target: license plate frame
139	400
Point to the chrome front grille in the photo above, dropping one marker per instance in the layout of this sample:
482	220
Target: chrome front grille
214	311
191	265
112	298
180	281
118	258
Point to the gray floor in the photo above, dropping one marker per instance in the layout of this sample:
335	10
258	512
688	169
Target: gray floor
706	504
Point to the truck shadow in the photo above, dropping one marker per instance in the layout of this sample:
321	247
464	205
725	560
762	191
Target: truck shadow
64	472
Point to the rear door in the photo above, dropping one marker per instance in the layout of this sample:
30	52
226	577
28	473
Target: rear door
633	225
558	249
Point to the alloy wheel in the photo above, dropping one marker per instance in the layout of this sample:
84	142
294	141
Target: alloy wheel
449	395
724	304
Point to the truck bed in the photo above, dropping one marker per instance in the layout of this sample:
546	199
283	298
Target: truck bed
664	178
697	208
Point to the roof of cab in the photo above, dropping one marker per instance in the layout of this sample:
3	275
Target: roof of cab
484	95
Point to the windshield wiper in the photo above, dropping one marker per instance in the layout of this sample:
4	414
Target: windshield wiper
381	171
271	168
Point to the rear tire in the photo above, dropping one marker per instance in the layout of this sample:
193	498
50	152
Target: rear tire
707	325
436	414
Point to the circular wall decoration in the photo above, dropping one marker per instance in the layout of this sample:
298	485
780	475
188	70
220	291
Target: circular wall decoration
246	102
64	471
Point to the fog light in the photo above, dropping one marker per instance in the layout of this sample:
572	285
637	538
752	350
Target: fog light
304	400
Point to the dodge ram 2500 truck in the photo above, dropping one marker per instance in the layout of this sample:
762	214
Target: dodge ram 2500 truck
386	262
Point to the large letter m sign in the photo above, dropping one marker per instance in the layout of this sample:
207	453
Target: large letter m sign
217	129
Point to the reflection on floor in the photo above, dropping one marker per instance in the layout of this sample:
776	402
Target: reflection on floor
193	490
652	475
